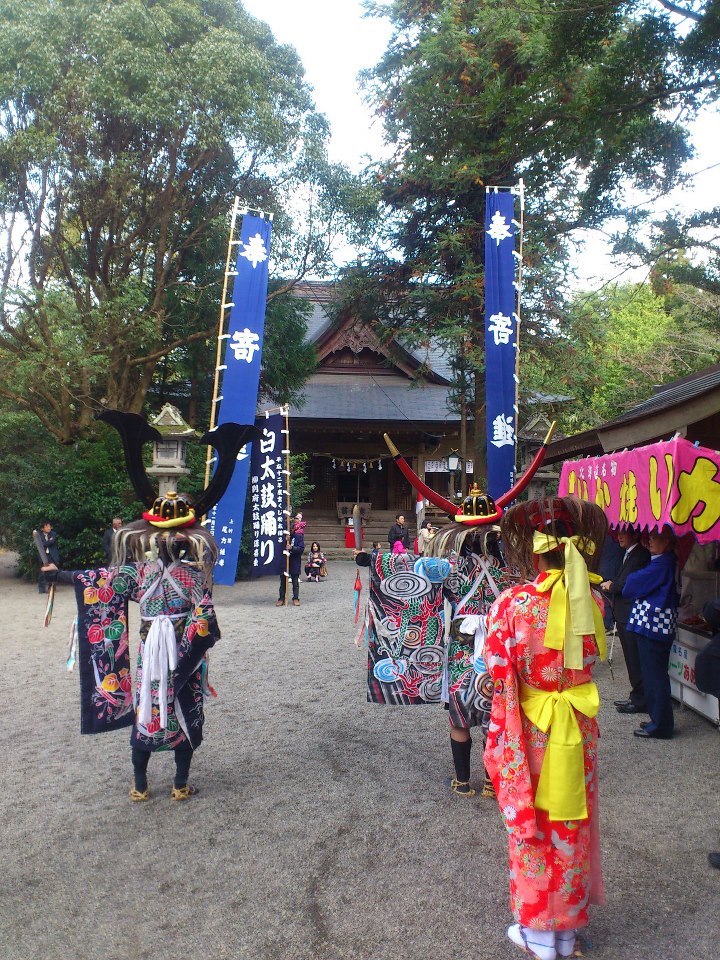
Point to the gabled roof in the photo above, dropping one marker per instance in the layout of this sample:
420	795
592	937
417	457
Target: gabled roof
322	296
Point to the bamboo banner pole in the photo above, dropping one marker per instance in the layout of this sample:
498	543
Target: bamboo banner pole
286	490
221	328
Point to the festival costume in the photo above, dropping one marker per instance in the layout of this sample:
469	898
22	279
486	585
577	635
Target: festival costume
178	623
411	658
404	624
472	586
543	640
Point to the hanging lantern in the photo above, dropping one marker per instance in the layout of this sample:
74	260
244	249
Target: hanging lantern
333	463
379	464
348	467
364	468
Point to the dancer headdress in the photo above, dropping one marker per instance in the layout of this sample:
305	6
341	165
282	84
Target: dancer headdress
477	509
170	526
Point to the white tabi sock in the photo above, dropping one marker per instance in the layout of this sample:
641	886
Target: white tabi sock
538	943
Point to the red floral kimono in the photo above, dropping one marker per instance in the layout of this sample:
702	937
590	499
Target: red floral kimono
555	870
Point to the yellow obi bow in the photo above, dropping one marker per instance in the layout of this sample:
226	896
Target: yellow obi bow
572	613
561	788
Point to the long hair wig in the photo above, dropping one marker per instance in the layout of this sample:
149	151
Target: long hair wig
460	540
140	541
558	517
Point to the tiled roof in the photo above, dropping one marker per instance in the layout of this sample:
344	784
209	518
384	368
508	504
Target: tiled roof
371	398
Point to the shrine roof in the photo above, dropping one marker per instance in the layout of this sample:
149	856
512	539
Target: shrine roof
321	298
369	398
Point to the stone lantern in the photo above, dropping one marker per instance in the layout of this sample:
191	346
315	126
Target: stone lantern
169	454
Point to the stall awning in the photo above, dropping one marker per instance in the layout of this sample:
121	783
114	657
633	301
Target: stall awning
673	483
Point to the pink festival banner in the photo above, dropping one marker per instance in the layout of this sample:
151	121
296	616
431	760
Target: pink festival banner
674	483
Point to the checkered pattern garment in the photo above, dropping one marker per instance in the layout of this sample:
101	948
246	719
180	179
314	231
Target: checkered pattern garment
651	621
654	594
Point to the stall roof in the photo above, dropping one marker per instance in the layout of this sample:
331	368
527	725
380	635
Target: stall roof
674	483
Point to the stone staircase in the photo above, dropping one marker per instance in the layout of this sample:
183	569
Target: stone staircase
330	532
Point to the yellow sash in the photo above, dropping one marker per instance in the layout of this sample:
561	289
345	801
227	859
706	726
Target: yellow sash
572	613
561	788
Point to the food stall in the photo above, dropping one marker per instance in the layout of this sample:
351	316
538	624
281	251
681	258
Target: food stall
674	483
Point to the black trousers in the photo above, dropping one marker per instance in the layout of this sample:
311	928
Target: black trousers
628	641
654	659
183	759
295	577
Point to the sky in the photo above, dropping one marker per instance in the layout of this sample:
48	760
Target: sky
335	42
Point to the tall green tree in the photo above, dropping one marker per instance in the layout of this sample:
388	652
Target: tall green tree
580	100
613	346
126	128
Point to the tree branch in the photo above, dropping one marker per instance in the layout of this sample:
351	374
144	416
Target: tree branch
682	11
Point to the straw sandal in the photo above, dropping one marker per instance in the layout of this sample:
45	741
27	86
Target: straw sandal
488	790
462	788
137	796
183	793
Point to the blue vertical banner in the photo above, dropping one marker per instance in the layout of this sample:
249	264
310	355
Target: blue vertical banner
240	380
501	340
269	484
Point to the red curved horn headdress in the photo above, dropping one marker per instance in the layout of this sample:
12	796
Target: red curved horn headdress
456	511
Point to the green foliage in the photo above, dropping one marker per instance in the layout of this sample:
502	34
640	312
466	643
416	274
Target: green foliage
580	101
613	347
300	487
126	128
79	488
287	359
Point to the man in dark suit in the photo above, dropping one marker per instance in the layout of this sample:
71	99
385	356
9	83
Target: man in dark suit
49	543
636	557
108	537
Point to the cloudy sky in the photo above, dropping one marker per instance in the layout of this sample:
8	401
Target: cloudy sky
335	41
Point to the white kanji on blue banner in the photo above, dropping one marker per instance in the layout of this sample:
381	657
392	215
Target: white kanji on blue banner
500	340
241	378
267	496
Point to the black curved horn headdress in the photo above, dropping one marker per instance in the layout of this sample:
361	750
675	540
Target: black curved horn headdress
228	439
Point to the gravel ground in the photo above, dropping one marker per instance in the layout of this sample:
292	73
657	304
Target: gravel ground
324	828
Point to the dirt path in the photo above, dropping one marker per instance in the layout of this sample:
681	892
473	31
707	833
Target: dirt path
323	829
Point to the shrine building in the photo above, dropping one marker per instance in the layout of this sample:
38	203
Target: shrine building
361	389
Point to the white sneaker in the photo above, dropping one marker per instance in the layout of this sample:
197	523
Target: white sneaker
528	940
565	942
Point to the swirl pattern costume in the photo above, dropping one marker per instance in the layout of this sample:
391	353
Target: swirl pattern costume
405	623
472	586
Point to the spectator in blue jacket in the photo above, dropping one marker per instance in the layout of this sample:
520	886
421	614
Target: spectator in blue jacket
652	620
